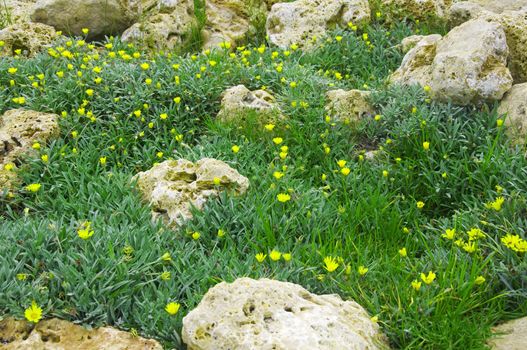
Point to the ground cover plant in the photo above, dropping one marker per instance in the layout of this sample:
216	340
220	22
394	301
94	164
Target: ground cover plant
429	235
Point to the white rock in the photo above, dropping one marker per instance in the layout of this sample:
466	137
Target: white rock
268	314
348	105
468	65
510	335
174	187
102	17
514	106
238	101
298	22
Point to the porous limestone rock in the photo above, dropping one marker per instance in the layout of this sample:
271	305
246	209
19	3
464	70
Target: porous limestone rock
164	24
514	106
348	105
229	21
174	187
16	11
418	9
269	314
28	37
411	41
102	17
510	335
19	130
238	101
512	15
55	334
299	21
466	66
417	63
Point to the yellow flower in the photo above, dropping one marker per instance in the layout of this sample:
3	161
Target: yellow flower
475	233
177	100
166	257
345	171
221	233
85	231
330	264
235	149
377	117
479	280
427	88
428	279
420	205
102	161
416	285
278	175
341	163
385	173
165	275
362	270
426	145
269	127
283	197
469	247
85	31
45	158
36	146
260	257
89	92
216	181
144	66
275	255
499	122
278	140
287	256
402	252
196	235
33	187
496	205
12	70
172	308
21	276
33	313
449	233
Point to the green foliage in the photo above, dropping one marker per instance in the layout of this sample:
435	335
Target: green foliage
363	218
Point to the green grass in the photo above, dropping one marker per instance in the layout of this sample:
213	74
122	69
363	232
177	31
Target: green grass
363	218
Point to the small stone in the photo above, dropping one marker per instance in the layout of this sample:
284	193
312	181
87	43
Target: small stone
348	106
55	334
174	187
238	101
269	314
417	9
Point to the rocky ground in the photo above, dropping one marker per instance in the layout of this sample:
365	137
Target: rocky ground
257	174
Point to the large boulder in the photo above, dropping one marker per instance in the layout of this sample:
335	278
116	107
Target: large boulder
512	15
55	334
510	335
19	130
269	314
418	9
162	25
28	37
238	101
18	10
462	11
229	21
299	21
102	17
348	105
514	107
468	65
173	188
